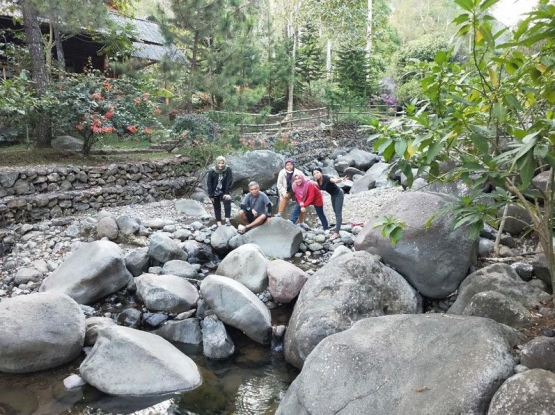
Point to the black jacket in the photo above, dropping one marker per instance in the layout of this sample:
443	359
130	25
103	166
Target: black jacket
212	182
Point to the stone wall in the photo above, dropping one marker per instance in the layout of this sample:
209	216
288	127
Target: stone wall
34	194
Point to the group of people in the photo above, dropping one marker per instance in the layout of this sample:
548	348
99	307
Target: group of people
256	207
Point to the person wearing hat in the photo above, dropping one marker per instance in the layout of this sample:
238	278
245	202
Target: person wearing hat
285	185
329	184
219	182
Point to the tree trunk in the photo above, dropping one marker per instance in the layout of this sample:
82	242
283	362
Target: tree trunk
291	94
38	67
59	49
193	72
328	59
369	33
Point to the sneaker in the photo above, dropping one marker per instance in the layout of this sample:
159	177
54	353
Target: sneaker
304	226
227	222
241	229
278	215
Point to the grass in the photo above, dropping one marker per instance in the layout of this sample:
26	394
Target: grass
20	155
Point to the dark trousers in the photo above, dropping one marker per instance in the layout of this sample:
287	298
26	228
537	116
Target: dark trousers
337	204
217	203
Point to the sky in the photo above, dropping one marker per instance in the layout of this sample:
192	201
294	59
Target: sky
509	12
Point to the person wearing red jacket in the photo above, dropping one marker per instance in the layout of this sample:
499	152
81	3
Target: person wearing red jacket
308	194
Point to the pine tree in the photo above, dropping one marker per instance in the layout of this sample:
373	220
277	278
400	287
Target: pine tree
310	58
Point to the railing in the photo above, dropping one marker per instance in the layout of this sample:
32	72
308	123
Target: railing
314	117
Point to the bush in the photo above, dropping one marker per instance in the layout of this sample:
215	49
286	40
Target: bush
93	105
194	128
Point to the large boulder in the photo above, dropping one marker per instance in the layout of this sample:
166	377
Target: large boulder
182	331
285	280
39	331
263	165
246	265
434	259
67	142
539	353
166	293
237	306
190	208
126	361
162	248
500	308
502	279
404	364
349	288
95	271
531	392
376	176
216	343
219	240
278	238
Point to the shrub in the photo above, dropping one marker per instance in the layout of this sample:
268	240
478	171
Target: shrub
194	128
94	106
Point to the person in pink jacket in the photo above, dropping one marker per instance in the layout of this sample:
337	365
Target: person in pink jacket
308	194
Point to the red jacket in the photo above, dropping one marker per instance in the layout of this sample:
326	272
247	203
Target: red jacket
313	196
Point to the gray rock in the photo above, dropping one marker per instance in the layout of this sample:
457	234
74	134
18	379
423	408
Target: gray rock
39	331
137	262
163	249
127	226
198	250
190	208
285	280
390	364
125	361
517	219
246	265
264	165
237	306
216	342
94	326
95	271
502	279
349	288
531	392
220	239
166	293
523	270
25	275
485	247
185	331
278	238
433	259
539	353
180	268
67	142
500	308
107	227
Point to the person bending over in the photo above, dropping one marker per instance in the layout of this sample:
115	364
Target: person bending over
255	208
308	193
329	185
219	182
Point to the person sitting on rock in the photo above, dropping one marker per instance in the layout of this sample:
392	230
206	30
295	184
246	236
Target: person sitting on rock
285	185
255	208
308	193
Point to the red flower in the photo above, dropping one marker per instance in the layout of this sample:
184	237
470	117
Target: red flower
132	129
79	127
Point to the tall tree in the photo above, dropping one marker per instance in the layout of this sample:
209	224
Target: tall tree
310	59
33	38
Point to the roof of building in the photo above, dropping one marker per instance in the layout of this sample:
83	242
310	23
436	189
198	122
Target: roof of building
147	38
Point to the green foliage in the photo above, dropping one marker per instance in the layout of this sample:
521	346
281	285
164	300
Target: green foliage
411	60
196	128
309	64
93	105
392	228
491	115
352	72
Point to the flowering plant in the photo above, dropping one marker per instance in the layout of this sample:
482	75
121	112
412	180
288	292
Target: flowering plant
93	105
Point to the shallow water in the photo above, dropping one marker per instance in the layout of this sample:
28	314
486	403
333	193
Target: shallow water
252	382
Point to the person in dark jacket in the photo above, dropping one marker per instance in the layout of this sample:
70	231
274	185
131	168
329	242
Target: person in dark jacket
329	184
219	182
